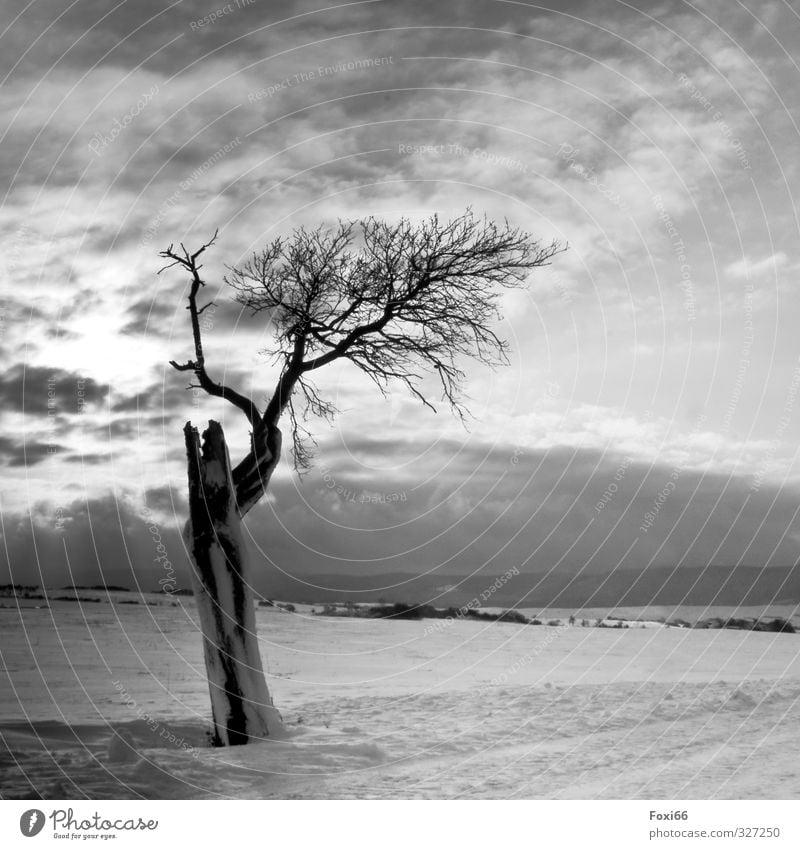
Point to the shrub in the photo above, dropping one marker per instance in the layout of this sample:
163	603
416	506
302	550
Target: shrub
397	611
405	611
513	616
740	624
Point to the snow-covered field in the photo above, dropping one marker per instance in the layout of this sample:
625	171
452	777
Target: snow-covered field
398	709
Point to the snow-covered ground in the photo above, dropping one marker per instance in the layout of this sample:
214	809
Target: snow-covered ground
397	709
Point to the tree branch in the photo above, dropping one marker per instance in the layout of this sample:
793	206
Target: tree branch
189	262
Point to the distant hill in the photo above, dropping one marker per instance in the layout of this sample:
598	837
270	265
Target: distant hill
661	585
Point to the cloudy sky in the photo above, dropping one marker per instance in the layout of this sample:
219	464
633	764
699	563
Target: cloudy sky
650	411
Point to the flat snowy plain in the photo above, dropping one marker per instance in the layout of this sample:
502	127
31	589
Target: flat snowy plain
109	701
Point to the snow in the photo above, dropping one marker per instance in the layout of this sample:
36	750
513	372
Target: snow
110	701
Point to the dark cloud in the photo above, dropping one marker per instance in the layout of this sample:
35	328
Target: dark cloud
87	459
37	390
138	427
148	317
94	34
134	403
157	318
167	394
166	499
227	315
540	513
17	312
87	542
25	453
61	334
126	33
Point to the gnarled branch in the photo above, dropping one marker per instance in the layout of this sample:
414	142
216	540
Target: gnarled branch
189	261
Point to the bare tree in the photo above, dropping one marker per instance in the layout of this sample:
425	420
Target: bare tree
399	301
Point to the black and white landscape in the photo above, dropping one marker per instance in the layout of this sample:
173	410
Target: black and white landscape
400	400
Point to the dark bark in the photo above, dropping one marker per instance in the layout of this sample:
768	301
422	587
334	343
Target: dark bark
241	706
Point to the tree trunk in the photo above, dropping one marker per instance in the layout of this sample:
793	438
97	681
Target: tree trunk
240	702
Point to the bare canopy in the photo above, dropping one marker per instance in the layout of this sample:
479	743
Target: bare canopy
398	300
